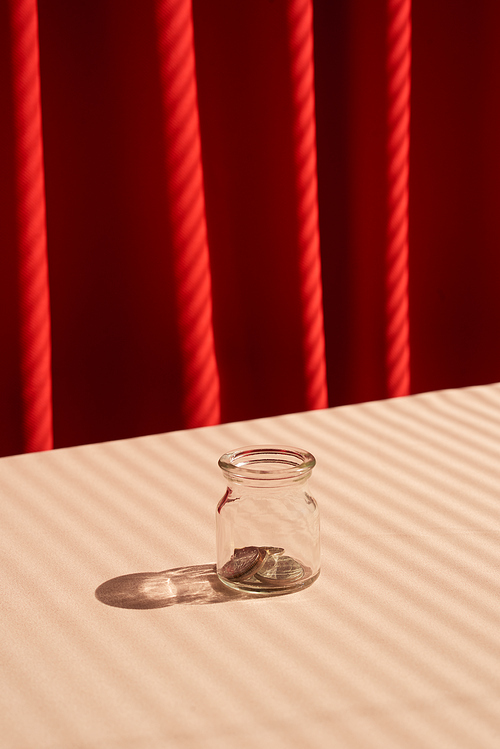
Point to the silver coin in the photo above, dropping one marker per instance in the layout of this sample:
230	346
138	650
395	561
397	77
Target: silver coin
273	551
244	563
280	571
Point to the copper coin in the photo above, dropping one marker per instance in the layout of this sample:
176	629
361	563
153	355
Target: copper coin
243	563
280	571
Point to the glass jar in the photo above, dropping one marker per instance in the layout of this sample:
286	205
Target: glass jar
267	522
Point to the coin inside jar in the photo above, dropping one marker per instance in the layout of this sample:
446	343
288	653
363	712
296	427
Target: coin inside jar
273	551
280	571
243	563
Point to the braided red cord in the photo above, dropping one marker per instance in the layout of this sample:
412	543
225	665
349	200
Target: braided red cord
32	235
300	34
186	208
397	307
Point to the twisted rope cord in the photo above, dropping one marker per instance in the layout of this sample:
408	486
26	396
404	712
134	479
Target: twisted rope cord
397	306
300	34
32	236
186	208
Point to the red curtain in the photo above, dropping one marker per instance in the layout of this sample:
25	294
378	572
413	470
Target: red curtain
225	210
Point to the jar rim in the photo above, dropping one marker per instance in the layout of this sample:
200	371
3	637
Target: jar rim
267	462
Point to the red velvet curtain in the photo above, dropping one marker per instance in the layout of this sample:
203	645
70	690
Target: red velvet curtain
225	210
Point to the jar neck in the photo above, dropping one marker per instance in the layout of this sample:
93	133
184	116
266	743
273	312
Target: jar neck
267	466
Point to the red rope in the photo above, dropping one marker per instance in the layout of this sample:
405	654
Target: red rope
397	307
32	236
300	33
186	208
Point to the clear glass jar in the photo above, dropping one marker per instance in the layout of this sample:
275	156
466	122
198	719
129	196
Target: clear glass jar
267	522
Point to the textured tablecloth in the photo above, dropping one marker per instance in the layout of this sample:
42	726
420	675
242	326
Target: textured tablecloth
115	633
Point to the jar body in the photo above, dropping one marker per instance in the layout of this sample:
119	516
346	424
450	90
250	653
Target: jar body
267	522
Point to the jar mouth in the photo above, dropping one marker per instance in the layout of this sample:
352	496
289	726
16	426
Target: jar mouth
267	462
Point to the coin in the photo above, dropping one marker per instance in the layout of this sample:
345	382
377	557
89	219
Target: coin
274	551
243	563
280	571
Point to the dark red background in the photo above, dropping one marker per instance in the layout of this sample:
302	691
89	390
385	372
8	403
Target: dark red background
116	370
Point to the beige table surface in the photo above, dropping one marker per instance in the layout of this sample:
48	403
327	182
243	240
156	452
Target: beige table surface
397	644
